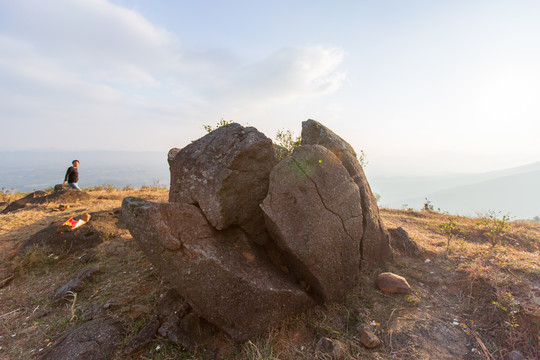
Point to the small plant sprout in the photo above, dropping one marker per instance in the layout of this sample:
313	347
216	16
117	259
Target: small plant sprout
362	159
510	307
428	206
220	123
286	140
450	229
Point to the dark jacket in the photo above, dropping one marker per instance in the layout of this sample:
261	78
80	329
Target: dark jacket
72	175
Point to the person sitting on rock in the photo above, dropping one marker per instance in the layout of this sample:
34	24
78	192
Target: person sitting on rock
72	176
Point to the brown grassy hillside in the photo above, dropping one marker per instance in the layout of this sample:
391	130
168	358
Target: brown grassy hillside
473	300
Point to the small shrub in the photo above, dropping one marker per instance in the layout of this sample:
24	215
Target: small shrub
286	142
494	226
428	206
220	123
510	308
451	230
102	187
362	159
9	195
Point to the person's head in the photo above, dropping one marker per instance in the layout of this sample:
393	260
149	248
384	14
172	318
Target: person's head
75	163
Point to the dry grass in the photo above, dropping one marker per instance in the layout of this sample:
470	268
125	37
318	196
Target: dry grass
469	285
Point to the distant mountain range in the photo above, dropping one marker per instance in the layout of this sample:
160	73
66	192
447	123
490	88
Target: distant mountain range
515	191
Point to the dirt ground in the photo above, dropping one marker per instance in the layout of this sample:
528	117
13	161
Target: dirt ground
473	300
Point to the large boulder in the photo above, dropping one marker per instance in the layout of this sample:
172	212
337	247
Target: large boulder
313	212
225	277
375	242
225	173
247	241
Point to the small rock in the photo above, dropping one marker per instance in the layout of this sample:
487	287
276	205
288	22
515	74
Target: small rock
325	346
401	240
390	283
143	337
368	339
170	303
94	311
75	284
514	355
88	257
427	260
114	302
95	340
59	187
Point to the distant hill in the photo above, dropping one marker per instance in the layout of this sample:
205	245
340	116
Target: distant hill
515	191
29	170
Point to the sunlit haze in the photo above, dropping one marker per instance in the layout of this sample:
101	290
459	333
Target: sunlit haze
423	87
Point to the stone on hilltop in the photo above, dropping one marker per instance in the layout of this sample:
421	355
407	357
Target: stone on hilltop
390	283
313	213
375	241
401	240
225	173
222	274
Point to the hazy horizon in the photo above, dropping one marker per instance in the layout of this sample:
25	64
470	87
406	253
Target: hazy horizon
511	190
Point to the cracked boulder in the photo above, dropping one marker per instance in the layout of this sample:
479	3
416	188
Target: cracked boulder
225	277
225	173
313	212
375	242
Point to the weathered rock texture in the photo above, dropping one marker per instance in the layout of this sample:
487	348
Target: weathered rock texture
390	283
222	274
313	212
375	243
247	241
225	173
95	340
401	240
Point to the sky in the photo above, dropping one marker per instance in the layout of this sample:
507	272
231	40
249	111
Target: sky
423	87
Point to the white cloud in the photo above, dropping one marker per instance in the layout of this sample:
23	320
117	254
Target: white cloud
105	64
284	75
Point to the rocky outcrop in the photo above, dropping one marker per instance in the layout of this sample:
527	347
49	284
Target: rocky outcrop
222	274
247	241
313	212
225	173
375	243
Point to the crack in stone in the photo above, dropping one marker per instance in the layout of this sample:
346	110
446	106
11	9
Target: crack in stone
322	200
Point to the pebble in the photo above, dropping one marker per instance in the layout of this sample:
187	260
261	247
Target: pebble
427	260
